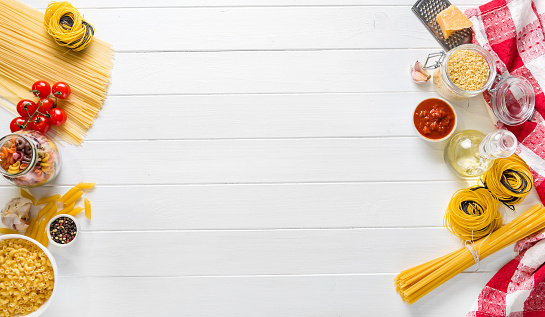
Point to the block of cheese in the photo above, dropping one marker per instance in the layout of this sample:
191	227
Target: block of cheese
451	20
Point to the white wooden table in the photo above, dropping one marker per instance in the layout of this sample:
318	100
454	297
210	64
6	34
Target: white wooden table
257	158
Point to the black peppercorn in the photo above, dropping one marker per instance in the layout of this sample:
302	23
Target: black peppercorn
63	230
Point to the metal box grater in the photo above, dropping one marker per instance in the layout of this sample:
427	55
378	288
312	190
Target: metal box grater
427	10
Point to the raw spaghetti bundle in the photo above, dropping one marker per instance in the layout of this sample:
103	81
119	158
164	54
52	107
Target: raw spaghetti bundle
28	53
473	213
509	179
414	283
67	26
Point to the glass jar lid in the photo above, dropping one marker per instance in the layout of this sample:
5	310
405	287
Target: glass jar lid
513	100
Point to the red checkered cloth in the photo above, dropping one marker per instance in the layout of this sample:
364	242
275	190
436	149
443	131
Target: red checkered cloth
518	289
513	32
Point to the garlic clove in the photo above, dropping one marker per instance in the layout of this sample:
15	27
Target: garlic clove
16	213
21	226
10	220
418	74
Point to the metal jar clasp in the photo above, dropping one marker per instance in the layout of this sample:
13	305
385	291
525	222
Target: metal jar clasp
438	57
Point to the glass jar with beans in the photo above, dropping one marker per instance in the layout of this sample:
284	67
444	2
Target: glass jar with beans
28	159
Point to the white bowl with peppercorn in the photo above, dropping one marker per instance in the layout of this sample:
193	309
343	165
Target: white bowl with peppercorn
63	230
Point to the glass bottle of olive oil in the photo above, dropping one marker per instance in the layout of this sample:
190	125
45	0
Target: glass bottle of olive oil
471	153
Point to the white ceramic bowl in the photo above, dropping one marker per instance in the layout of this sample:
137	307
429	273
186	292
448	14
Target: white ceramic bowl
453	128
48	228
44	306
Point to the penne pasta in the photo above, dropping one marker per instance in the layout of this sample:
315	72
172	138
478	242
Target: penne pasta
87	205
31	226
51	213
66	209
69	193
48	199
75	211
44	210
25	193
72	199
35	228
41	231
8	231
85	185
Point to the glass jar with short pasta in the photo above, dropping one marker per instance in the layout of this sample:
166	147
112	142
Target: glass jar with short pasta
28	159
463	72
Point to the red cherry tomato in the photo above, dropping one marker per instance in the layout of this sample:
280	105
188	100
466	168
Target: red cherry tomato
61	90
26	108
46	104
16	124
57	116
39	123
41	89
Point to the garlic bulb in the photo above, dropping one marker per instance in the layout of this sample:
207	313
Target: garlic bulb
16	213
418	74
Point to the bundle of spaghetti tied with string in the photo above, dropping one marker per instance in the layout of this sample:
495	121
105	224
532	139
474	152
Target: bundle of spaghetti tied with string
28	53
414	283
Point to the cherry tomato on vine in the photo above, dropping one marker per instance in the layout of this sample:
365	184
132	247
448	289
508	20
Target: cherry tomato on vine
16	124
57	116
61	90
41	89
46	104
26	108
39	123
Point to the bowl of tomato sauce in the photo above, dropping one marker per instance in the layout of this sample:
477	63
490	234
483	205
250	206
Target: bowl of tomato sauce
434	119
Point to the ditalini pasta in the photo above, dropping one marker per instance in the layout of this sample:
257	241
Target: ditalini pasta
28	53
414	283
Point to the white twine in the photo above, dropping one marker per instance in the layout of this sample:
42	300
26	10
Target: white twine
476	253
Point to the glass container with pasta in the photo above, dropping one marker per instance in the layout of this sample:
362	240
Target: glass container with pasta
463	72
28	159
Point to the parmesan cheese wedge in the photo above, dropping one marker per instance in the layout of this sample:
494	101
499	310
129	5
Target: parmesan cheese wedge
451	20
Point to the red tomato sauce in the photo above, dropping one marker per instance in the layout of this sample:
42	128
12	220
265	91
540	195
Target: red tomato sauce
434	118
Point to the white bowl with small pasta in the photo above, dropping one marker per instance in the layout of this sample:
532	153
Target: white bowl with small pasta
43	306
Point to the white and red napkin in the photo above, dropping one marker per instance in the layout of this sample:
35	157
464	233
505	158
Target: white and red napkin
513	32
518	289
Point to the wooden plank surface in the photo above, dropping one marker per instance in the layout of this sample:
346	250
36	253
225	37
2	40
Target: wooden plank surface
264	72
260	252
250	116
269	206
311	295
255	161
266	28
257	158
